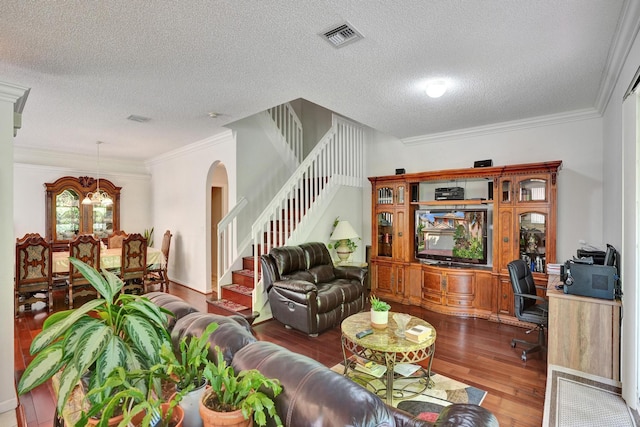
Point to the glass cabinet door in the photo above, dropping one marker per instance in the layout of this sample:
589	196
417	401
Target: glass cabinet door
385	196
102	221
400	194
532	190
505	191
67	214
533	240
390	195
385	234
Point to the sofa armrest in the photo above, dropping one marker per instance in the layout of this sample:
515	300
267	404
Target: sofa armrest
300	286
346	272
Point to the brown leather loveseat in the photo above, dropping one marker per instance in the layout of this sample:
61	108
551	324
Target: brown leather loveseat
307	292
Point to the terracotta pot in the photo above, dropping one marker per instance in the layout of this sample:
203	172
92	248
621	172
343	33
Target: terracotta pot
379	319
177	416
114	421
212	418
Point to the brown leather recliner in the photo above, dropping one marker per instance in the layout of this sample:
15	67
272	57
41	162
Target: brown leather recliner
307	292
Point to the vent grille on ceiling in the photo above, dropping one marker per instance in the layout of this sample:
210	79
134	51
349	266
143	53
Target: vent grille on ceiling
139	119
342	35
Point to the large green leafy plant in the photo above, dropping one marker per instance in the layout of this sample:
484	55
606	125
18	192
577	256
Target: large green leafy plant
113	330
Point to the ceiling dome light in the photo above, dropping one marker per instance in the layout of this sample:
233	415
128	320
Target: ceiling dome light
437	88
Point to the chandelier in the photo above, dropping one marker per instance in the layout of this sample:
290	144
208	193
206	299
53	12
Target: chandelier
98	197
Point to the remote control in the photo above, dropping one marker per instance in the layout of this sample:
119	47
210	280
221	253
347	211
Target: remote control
364	333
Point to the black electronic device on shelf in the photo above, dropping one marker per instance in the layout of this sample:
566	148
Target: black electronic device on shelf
449	193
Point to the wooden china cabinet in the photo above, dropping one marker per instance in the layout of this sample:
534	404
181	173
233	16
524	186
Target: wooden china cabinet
527	221
389	232
520	204
66	216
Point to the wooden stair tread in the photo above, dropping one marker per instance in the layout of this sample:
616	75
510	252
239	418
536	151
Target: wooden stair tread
226	308
245	272
240	289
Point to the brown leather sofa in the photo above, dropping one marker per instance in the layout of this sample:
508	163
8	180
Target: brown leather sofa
307	292
312	393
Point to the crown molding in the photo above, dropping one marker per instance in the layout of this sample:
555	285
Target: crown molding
61	160
216	139
626	32
71	171
15	94
511	126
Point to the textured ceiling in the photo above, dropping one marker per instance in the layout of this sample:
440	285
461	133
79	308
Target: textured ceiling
92	64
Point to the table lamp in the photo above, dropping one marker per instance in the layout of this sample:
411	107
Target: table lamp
343	233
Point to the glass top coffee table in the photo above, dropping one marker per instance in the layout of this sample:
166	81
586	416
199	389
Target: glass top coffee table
385	347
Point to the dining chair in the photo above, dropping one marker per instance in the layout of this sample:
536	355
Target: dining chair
115	240
133	265
158	274
86	248
33	280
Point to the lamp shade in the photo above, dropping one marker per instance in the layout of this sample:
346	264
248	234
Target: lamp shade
343	231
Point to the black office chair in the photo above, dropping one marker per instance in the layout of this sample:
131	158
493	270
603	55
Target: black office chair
529	307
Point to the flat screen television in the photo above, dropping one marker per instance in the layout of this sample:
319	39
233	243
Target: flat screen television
451	235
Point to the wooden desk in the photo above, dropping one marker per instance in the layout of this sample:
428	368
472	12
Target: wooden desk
109	259
584	332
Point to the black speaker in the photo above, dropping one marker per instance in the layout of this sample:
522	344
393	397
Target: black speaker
482	163
490	190
400	171
414	192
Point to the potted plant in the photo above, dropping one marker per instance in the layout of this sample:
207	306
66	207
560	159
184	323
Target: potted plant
90	342
187	369
137	397
379	312
231	400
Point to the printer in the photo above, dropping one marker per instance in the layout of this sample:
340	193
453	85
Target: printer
583	276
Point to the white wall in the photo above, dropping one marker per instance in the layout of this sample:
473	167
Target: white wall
29	196
9	95
262	172
577	143
181	202
347	206
621	189
316	122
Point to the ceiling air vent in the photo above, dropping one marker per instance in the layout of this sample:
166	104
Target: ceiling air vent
139	119
341	35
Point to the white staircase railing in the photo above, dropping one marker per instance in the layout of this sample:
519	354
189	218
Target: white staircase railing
290	127
228	238
338	159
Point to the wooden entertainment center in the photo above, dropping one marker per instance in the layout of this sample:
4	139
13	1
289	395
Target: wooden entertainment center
519	204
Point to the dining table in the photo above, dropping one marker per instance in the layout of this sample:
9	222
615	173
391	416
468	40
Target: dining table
109	259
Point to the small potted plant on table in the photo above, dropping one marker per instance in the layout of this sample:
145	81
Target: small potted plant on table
379	312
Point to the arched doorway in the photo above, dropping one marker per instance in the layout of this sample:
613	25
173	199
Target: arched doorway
219	194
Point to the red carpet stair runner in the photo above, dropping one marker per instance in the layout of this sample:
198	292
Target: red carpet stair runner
236	297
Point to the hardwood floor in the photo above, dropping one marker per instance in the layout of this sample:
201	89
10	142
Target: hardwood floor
474	351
